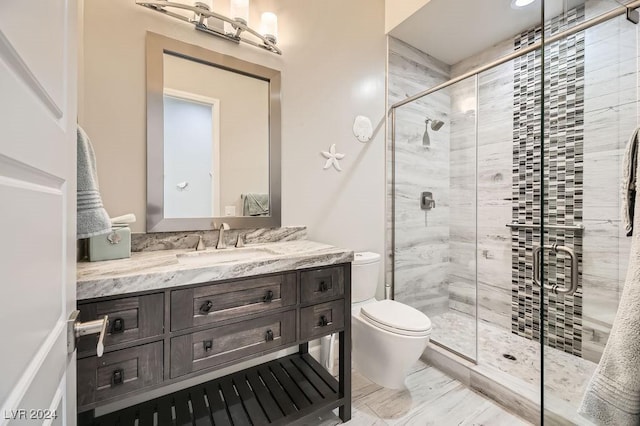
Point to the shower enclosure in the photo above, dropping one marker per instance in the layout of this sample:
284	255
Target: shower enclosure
519	257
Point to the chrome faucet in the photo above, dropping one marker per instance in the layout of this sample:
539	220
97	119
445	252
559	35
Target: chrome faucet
200	246
221	243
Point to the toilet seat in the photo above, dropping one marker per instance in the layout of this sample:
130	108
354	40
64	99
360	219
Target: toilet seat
397	318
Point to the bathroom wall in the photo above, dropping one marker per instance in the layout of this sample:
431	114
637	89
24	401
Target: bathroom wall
611	115
333	68
421	253
397	11
479	217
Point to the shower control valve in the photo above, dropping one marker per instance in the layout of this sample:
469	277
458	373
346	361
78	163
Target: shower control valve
426	201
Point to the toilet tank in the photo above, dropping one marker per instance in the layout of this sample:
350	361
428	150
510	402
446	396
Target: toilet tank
365	271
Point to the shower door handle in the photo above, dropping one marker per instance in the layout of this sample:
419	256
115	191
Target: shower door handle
537	258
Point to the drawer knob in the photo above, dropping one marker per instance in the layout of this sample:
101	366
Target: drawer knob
117	326
323	321
323	286
117	377
206	307
208	345
268	297
268	336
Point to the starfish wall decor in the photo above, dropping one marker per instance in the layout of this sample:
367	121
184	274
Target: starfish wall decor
332	158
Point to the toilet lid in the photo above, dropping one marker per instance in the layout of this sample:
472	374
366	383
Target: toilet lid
397	317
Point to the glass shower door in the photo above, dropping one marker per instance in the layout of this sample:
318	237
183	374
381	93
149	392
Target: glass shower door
590	111
434	211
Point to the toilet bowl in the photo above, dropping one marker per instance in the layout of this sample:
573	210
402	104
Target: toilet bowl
388	337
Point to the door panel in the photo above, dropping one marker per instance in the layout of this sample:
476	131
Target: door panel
38	64
40	42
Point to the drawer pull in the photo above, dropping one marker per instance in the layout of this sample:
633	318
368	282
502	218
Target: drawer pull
206	307
269	336
117	326
208	345
117	377
323	286
324	322
268	297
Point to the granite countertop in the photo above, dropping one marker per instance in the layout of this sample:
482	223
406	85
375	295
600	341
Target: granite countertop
158	270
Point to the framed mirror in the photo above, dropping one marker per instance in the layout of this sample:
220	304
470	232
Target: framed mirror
213	139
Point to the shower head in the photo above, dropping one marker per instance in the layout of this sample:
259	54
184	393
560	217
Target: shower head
435	126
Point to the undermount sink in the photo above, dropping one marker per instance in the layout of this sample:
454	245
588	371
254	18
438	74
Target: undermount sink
224	255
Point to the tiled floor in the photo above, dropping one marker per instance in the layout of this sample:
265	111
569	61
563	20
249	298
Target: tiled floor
431	398
565	376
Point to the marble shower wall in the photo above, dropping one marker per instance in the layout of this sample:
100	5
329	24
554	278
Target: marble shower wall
610	116
421	238
492	175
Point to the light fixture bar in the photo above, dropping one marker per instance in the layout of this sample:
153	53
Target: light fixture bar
162	5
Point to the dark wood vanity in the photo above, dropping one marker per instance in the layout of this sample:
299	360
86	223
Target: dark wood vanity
162	337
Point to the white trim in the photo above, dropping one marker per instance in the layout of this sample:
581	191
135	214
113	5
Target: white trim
58	401
23	384
20	68
215	118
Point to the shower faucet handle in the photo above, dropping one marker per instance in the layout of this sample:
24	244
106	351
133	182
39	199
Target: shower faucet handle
426	201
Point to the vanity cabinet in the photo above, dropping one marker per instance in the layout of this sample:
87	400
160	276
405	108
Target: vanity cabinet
162	337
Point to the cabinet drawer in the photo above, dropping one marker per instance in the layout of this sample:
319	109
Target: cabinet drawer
130	319
320	320
321	284
209	348
119	372
208	304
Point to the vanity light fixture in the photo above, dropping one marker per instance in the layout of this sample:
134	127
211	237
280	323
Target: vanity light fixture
210	22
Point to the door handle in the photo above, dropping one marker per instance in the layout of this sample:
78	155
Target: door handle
537	278
76	329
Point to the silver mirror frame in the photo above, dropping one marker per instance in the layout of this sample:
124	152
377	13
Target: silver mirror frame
156	46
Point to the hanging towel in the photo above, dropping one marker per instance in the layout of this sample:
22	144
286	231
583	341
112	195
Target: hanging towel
255	205
629	168
92	217
613	394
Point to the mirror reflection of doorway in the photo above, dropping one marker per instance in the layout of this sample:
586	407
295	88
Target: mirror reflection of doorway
191	155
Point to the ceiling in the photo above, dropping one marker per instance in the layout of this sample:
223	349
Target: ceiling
453	30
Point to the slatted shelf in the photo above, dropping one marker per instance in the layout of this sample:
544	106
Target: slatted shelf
279	392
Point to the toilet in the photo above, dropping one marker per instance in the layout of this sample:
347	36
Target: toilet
388	337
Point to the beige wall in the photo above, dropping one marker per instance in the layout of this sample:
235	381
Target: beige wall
396	11
244	124
333	68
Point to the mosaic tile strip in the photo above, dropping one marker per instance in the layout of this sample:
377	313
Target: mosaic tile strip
562	177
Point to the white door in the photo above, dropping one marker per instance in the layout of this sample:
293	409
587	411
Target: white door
38	79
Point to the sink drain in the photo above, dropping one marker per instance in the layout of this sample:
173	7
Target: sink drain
509	357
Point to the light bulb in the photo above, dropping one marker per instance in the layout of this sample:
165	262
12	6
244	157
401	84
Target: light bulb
239	11
269	26
521	3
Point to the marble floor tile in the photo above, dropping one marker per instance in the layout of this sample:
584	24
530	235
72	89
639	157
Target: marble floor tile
566	376
430	398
